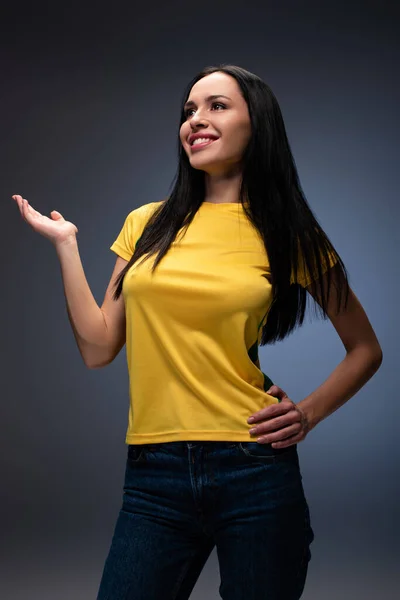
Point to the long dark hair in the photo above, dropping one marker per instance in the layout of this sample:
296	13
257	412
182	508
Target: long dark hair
273	201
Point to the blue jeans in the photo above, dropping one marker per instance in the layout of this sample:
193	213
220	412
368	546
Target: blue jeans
183	498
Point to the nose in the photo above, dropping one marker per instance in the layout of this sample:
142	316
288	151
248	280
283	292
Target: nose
198	126
198	120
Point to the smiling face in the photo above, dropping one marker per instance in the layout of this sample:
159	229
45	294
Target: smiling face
216	108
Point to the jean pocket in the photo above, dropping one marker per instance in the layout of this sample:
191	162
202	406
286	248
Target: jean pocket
265	452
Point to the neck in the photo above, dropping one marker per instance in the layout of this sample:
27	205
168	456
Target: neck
222	188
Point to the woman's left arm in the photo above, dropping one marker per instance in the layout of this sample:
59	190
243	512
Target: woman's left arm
286	423
363	358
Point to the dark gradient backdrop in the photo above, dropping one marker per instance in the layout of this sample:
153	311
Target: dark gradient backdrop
89	115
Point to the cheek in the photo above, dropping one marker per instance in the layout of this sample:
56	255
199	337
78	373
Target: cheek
244	133
237	131
239	138
183	133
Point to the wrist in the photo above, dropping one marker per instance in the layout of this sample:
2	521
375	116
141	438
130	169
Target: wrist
311	416
65	242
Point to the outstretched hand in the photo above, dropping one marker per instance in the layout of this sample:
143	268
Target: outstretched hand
281	425
56	228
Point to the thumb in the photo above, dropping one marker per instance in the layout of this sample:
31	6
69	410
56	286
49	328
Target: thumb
56	216
276	391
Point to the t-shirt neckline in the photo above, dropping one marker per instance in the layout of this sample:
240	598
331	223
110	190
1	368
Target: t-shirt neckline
206	203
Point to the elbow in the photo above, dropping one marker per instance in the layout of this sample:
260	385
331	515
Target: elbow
378	357
92	366
88	364
96	365
370	356
374	359
97	358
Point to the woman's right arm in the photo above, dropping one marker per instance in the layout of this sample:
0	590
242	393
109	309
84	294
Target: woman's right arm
99	332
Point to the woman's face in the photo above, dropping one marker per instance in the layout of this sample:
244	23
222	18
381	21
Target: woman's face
225	118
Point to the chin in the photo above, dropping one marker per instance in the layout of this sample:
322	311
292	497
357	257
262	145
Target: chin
200	162
206	168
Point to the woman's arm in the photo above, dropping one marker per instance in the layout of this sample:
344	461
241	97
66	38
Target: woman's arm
286	423
363	358
99	331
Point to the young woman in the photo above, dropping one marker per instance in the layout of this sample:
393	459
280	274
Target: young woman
228	262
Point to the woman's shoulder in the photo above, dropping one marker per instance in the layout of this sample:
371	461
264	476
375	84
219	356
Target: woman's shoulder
144	210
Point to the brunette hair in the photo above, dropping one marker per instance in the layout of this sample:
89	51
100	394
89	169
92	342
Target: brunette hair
273	201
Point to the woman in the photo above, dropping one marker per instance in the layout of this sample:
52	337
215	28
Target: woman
235	253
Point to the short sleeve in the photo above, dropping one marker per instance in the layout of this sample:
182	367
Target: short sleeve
125	243
132	229
304	277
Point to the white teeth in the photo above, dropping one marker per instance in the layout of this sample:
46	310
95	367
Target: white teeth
201	141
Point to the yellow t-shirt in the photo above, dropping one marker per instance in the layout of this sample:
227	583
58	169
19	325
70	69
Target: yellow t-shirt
193	328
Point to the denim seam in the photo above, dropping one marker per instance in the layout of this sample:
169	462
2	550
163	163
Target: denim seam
182	576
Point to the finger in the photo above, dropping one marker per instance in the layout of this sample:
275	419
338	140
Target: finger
289	441
29	209
272	411
26	208
289	418
283	435
279	436
18	200
29	213
32	212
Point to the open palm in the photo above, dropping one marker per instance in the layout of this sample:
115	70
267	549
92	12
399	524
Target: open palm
56	229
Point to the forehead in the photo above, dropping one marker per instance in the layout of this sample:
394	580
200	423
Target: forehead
216	83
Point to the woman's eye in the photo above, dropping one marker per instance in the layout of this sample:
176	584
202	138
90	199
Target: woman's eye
189	110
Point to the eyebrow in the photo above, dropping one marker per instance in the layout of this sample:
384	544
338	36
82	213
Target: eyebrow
208	99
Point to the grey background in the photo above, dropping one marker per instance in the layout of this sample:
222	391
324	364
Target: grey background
90	108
